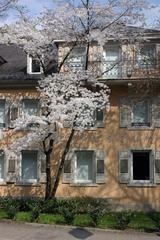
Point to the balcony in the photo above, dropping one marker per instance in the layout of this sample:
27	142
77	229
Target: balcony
122	70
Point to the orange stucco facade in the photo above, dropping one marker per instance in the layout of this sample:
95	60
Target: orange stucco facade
111	139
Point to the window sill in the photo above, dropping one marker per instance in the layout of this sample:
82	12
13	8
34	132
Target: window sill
141	185
27	184
3	183
134	128
83	185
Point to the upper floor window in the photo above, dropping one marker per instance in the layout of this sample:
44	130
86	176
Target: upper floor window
140	113
30	107
111	61
76	59
136	113
33	65
146	56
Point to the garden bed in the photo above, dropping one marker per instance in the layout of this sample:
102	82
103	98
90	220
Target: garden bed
83	212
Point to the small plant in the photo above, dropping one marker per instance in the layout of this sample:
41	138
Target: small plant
68	214
35	213
155	216
95	214
123	219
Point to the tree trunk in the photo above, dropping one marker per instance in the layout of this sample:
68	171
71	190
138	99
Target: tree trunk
60	168
48	153
48	175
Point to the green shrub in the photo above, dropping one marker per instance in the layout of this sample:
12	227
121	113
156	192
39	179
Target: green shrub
155	216
11	212
23	216
123	218
50	218
68	214
83	220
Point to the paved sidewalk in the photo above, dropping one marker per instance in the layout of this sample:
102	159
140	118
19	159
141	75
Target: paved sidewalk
20	231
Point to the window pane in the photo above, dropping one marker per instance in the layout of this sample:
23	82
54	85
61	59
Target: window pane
140	113
99	115
146	56
76	59
35	65
141	166
111	62
84	166
1	165
2	114
30	107
29	165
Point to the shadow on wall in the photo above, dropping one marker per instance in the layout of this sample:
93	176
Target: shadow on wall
113	139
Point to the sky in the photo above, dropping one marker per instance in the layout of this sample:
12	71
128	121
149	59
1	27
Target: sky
36	6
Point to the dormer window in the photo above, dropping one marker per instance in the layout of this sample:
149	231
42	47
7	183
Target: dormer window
33	65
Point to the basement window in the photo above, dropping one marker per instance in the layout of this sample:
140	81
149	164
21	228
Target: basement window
141	166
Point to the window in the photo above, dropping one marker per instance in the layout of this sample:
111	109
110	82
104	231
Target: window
140	114
29	166
135	113
111	63
2	113
137	167
141	166
146	56
1	166
76	60
30	107
33	65
84	166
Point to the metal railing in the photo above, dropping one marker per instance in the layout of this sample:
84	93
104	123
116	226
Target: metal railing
119	70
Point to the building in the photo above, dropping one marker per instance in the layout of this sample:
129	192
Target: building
119	157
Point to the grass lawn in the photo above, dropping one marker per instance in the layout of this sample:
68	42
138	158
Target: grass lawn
147	222
142	221
23	216
83	220
107	221
51	219
3	214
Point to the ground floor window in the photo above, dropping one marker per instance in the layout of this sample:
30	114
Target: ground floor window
1	166
84	166
29	172
141	165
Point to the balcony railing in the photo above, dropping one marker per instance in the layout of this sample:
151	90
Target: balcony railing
119	70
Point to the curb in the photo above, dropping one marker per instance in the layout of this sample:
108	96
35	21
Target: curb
91	229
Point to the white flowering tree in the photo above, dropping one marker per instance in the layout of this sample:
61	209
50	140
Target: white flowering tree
69	96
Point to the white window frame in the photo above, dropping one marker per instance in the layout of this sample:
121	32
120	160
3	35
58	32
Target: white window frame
20	168
29	66
151	169
76	181
104	61
4	167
